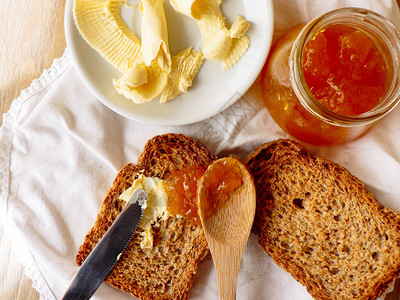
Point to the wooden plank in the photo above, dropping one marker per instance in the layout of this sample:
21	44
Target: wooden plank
14	284
34	36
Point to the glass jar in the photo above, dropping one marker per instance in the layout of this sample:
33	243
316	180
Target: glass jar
289	99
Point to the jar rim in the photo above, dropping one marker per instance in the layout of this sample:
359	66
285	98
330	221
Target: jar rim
390	35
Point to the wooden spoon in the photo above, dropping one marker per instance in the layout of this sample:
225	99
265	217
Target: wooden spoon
227	204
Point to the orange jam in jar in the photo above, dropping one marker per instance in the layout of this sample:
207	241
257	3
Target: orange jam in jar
328	81
181	189
344	70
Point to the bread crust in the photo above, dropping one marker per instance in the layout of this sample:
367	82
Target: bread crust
166	271
322	225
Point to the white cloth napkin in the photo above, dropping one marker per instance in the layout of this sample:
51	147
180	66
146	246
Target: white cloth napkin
60	149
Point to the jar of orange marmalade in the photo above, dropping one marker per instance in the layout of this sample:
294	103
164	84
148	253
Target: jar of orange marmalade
328	81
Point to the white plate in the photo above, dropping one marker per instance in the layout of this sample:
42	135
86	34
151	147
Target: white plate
213	90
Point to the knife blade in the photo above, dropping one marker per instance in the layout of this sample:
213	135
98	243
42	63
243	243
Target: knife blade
106	253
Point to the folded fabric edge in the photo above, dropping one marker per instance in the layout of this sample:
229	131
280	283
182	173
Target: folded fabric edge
6	136
9	118
28	261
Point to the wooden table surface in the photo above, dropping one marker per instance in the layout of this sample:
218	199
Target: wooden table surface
32	37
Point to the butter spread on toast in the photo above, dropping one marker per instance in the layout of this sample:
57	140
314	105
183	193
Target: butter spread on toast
155	207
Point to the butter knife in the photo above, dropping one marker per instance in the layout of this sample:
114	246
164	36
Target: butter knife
106	253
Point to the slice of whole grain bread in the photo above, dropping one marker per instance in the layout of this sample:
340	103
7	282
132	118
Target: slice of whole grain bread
166	271
322	225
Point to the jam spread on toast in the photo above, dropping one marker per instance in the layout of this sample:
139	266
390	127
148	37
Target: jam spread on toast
181	189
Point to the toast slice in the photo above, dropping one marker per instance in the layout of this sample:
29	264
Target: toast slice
322	225
167	270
